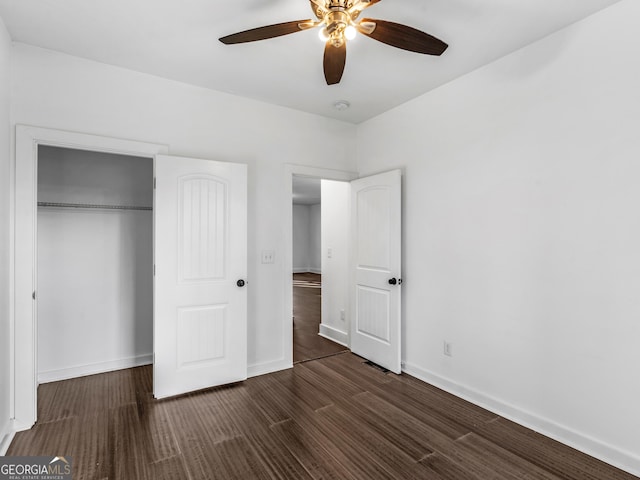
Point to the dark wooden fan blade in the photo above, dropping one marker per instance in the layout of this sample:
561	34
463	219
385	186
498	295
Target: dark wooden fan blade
269	31
334	61
404	37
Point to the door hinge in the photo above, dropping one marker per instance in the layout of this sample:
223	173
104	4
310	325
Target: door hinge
33	295
154	269
154	183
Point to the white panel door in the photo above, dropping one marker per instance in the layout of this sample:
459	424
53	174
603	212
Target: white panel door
376	257
200	297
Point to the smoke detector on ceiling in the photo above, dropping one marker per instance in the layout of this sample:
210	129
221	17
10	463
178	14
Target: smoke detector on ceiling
341	105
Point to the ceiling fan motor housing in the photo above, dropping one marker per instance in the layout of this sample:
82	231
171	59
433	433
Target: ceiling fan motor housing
344	4
337	21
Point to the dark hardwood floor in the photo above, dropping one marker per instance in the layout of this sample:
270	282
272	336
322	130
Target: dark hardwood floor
333	418
307	297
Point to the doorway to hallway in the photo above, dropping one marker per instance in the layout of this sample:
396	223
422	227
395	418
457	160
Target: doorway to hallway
307	308
329	262
319	267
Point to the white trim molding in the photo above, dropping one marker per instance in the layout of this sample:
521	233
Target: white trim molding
307	270
335	335
6	437
94	368
613	456
269	367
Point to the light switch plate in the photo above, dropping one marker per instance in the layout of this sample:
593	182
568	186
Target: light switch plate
268	256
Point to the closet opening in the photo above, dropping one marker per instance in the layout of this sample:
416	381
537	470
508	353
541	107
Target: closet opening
94	262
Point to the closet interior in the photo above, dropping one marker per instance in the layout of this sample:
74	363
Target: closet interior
94	262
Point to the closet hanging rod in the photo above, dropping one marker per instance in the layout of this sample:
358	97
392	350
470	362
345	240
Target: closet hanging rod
88	205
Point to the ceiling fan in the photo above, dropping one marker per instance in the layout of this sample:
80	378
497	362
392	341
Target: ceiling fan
337	20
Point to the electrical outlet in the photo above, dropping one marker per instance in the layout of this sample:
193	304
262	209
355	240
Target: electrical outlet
329	252
448	349
268	256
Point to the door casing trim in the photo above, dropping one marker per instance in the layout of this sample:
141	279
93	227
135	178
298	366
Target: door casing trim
287	206
23	251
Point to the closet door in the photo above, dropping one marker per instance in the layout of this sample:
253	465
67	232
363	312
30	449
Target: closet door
200	297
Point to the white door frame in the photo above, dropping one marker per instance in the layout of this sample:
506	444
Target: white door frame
23	274
287	207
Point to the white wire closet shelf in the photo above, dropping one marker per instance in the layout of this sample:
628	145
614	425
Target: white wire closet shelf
94	206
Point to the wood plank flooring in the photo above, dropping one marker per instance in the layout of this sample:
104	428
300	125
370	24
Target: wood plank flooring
333	418
307	298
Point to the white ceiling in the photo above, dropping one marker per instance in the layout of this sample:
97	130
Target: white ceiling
179	40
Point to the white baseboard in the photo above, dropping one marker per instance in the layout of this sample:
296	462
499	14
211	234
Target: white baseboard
269	367
6	436
607	453
334	335
94	368
307	270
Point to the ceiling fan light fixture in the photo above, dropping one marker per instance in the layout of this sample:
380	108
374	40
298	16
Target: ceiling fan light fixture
350	32
323	34
337	40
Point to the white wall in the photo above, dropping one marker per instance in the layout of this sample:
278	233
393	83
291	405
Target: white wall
95	267
5	175
301	261
306	238
335	268
78	176
521	232
315	239
58	91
